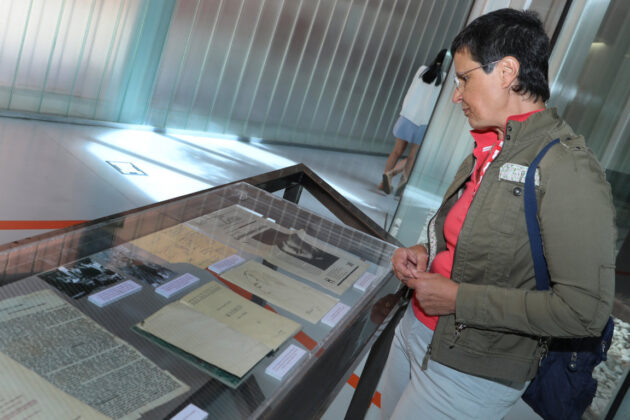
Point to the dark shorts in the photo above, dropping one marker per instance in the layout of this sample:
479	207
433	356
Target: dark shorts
408	131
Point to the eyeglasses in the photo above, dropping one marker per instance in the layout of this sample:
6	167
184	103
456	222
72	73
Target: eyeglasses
460	80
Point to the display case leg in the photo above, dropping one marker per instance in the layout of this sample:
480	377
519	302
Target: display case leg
293	193
374	364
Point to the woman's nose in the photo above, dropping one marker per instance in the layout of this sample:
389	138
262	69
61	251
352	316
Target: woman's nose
457	96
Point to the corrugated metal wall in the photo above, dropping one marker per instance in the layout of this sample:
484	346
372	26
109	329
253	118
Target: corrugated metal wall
328	73
65	57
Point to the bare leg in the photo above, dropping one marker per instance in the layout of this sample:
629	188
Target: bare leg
411	159
400	166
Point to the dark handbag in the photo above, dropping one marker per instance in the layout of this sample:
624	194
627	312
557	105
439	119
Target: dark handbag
564	386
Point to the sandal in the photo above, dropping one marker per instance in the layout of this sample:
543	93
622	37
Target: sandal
387	183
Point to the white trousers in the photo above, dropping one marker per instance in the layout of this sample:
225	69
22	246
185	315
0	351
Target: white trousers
408	392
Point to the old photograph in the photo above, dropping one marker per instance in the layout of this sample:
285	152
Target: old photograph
136	267
81	278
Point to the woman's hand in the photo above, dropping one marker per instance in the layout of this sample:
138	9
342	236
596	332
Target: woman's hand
407	263
435	293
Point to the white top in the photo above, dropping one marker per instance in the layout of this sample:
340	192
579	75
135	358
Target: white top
420	99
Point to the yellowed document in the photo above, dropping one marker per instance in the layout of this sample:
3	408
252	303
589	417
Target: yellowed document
24	394
181	244
241	314
281	290
205	338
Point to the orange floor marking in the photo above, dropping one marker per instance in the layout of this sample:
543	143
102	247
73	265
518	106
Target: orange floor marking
354	381
37	224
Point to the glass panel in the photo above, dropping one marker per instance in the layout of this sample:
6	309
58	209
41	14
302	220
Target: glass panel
208	265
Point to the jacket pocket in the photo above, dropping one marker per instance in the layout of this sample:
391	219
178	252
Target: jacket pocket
494	343
508	249
506	212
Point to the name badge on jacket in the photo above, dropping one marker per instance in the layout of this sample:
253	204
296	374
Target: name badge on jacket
516	173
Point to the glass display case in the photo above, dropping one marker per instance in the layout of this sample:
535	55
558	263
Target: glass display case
232	300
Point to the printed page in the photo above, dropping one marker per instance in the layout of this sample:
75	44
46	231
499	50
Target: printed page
181	244
46	334
292	250
241	314
314	260
26	395
234	225
280	290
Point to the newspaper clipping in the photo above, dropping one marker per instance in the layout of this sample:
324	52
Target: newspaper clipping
44	333
26	395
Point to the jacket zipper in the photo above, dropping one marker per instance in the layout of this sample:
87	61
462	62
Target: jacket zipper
458	332
427	354
460	326
425	360
544	349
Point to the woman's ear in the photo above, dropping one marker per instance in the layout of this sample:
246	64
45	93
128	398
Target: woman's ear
509	67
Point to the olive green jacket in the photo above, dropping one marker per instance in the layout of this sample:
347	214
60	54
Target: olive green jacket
499	314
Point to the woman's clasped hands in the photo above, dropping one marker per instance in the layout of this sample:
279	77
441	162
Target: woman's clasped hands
435	293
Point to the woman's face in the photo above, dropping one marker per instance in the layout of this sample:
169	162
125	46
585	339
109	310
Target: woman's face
480	94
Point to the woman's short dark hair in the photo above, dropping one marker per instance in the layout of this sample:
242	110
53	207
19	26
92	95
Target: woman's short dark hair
509	32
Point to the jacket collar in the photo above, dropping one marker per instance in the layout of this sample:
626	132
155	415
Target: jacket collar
535	126
490	137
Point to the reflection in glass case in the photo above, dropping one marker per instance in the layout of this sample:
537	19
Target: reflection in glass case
232	299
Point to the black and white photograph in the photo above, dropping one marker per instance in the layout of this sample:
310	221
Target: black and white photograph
81	278
136	267
293	245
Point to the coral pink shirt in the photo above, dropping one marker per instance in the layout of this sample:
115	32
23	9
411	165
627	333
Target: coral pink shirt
487	147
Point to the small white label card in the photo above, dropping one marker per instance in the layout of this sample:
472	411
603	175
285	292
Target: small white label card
226	263
170	288
250	210
191	412
285	361
335	314
364	281
114	293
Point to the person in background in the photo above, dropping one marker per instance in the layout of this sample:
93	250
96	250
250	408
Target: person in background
412	122
468	345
